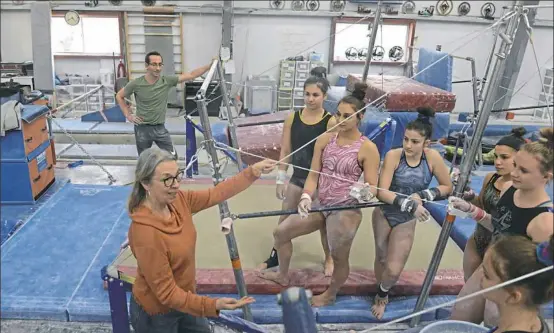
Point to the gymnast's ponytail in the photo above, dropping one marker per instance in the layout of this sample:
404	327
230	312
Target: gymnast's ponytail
423	122
357	98
543	150
515	256
513	140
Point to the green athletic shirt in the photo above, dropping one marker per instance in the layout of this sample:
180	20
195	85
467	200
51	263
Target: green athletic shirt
151	99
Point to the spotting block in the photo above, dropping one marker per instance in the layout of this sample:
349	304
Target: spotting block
113	115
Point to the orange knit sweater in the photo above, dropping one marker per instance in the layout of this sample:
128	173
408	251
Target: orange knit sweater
165	250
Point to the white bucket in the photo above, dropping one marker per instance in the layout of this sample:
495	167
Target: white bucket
453	326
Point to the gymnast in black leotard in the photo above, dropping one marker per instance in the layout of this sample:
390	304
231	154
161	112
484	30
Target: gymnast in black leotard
524	209
505	151
301	128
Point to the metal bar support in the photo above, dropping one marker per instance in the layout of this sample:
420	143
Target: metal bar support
190	146
232	127
374	28
467	163
475	87
223	207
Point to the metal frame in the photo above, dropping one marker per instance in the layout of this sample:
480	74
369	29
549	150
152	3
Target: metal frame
467	162
371	45
223	207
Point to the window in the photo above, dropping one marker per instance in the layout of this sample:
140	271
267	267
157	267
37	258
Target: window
92	36
351	39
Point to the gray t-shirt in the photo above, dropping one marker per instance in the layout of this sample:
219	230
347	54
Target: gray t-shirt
151	99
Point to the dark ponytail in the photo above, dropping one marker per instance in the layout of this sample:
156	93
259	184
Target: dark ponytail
320	81
357	98
423	122
513	140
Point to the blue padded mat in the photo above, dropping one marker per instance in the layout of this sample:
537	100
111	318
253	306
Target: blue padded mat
45	264
373	118
436	67
347	309
15	215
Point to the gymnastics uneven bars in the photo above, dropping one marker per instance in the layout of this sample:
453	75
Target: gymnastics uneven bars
217	177
313	210
507	38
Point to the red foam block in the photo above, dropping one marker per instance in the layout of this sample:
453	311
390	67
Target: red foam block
359	283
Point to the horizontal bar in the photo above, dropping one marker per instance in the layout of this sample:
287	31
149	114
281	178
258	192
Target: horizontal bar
153	34
525	108
462	81
269	122
313	210
83	96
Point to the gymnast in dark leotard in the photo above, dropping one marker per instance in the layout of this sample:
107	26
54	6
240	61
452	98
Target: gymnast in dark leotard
299	129
504	151
403	183
524	209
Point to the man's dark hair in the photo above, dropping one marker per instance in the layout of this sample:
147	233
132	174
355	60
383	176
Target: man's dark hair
152	53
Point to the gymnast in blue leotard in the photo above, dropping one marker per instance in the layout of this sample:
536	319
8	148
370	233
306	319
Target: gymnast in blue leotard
404	185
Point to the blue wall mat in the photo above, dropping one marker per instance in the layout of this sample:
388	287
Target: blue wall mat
441	124
112	114
52	253
12	215
437	67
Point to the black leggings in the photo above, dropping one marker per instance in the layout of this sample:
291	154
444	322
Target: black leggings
171	322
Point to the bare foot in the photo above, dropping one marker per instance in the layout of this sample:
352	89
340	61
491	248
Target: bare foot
329	267
379	305
323	300
275	277
261	266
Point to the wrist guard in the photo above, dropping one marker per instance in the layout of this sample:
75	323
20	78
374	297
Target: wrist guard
405	204
431	194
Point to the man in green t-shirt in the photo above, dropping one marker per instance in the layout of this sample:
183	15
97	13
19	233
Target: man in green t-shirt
151	94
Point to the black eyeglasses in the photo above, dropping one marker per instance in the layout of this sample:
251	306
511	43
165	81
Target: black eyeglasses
170	181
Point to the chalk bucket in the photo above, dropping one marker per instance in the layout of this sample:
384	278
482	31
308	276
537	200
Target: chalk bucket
453	326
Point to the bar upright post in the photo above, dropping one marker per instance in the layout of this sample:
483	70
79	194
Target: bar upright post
467	163
232	127
223	207
372	38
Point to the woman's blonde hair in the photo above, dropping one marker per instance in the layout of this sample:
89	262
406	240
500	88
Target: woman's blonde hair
543	150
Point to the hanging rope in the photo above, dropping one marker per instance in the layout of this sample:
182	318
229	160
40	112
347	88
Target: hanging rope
225	147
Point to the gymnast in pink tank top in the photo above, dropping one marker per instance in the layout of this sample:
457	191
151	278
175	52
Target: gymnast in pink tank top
339	164
339	161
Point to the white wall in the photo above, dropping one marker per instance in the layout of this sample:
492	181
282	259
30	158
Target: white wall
261	41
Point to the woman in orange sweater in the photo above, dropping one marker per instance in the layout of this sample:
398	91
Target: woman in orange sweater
163	239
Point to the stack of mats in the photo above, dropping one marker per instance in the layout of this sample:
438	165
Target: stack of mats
403	93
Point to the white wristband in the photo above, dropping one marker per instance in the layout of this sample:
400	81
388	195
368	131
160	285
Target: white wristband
281	177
